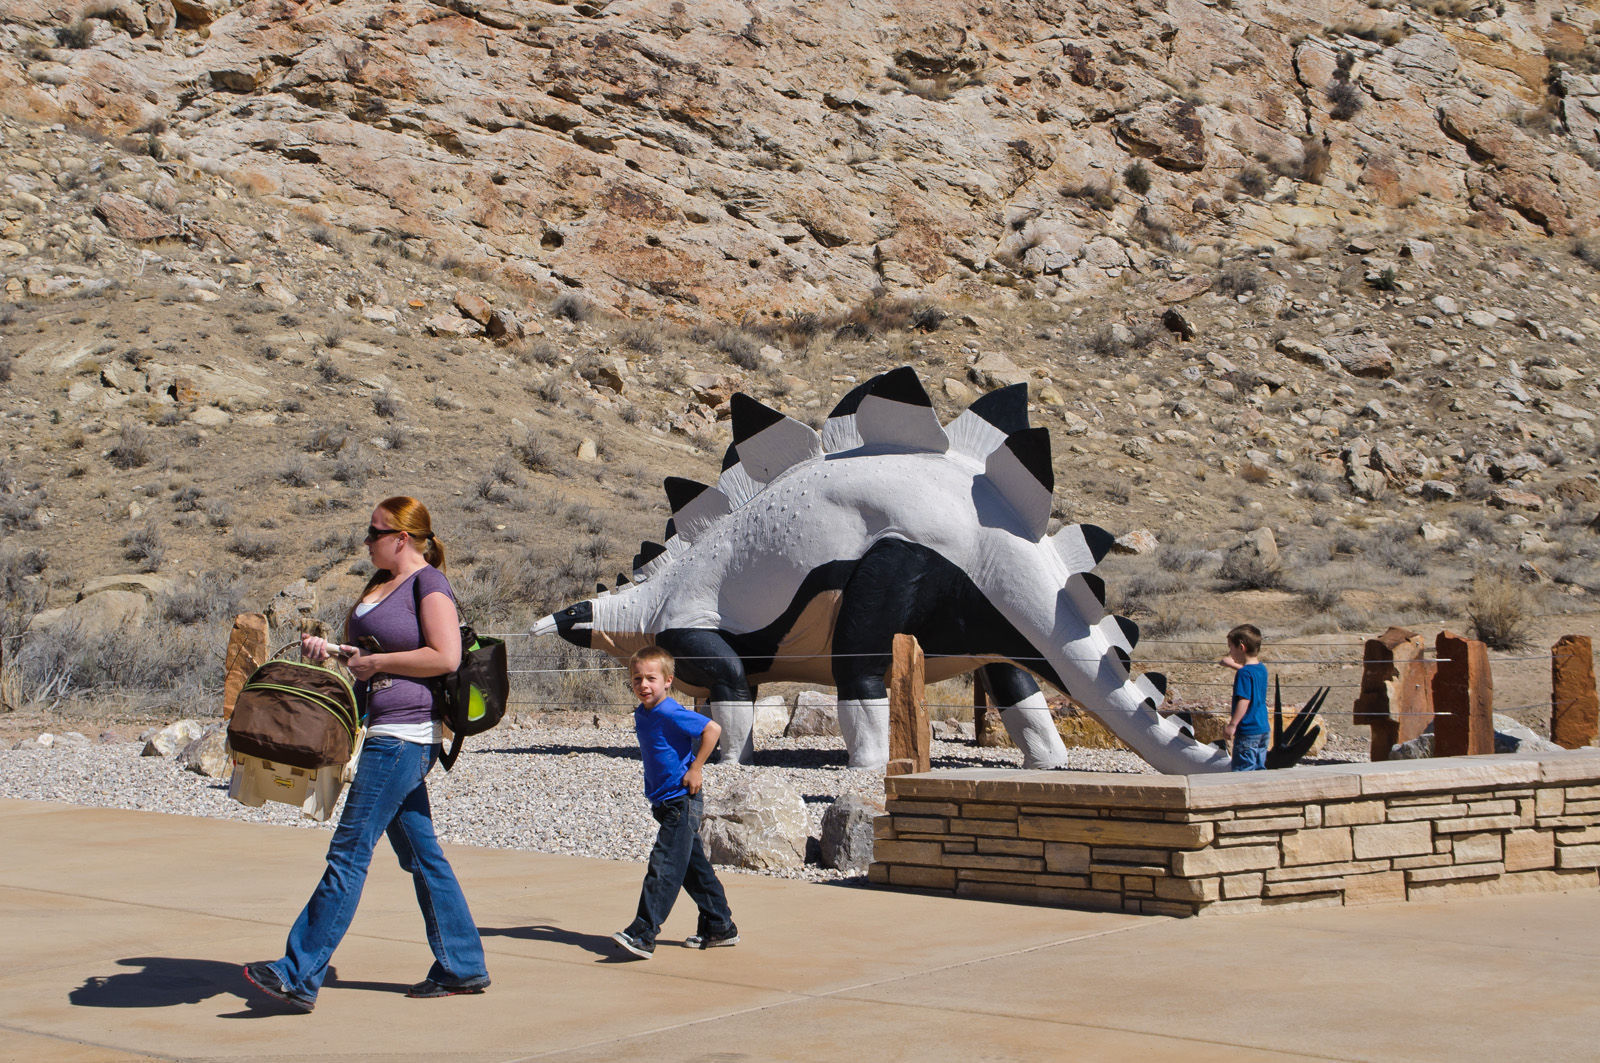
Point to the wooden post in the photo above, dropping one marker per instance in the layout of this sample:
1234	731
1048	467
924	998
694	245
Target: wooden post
247	651
1463	697
910	739
980	709
1574	709
1396	697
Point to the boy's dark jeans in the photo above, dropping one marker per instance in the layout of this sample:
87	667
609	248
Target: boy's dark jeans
678	860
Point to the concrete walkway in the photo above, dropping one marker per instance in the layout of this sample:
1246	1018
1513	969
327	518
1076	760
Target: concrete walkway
123	934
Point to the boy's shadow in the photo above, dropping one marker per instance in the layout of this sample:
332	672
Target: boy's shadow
168	981
600	945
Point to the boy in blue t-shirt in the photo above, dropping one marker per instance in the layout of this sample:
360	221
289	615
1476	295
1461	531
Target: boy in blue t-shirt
675	744
1247	727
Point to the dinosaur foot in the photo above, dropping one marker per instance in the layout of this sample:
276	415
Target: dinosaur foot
737	720
865	726
1033	730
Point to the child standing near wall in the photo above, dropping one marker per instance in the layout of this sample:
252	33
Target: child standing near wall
1247	725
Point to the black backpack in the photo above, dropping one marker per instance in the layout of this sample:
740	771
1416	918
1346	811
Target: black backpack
471	699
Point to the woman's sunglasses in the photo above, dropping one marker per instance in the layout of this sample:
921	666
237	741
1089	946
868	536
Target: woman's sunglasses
373	534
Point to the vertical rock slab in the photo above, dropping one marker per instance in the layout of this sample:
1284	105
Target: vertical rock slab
910	739
1396	696
1574	708
1463	697
247	650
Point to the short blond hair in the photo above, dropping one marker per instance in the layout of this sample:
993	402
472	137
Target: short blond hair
654	655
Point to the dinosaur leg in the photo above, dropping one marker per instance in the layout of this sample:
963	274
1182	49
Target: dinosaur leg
892	590
1027	718
706	660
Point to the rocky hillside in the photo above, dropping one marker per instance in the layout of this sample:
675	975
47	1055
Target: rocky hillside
262	266
743	161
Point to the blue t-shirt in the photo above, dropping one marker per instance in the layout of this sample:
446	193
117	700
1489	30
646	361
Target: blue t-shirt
1250	682
668	736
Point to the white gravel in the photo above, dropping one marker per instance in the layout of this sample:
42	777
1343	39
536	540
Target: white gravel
572	790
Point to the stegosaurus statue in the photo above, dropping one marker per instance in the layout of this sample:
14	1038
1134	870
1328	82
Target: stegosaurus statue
814	549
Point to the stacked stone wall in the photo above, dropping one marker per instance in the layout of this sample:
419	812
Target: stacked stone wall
1174	845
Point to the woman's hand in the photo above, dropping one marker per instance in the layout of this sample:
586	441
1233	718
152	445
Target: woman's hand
315	649
363	665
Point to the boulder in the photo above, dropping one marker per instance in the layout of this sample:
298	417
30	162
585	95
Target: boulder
757	823
816	715
173	737
771	718
208	754
133	219
1509	737
296	600
847	833
1171	133
1362	355
1138	541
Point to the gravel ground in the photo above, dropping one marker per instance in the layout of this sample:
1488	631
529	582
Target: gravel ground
541	788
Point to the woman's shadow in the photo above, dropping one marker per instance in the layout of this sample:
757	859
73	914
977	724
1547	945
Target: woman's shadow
167	981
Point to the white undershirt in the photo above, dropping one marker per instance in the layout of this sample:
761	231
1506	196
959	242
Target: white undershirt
428	733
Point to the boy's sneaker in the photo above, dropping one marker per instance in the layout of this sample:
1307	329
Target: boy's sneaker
265	978
638	946
728	937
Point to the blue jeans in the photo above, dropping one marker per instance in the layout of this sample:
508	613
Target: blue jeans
389	794
678	861
1250	752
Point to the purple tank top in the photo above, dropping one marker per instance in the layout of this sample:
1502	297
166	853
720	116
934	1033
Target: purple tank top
393	622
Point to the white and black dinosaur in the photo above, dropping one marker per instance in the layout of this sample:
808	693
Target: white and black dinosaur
814	549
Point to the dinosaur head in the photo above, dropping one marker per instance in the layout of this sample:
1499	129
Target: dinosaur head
575	623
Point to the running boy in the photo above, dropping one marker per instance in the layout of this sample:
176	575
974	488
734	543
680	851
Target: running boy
674	744
1247	726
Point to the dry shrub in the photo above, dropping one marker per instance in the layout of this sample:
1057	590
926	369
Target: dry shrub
1499	610
132	448
1246	570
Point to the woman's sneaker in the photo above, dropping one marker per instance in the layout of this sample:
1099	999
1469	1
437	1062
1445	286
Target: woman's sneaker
636	945
265	978
728	937
428	989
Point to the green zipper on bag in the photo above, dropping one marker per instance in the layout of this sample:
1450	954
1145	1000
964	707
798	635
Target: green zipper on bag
328	704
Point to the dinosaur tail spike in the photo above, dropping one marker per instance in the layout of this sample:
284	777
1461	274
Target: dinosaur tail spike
1153	685
1130	631
648	552
1081	546
1122	655
695	506
1098	540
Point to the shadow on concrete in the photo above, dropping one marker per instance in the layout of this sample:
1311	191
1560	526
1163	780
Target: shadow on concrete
162	982
168	981
599	944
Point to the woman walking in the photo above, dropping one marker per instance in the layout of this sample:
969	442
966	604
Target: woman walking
403	630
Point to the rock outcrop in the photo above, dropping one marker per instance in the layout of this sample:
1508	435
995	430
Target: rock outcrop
740	160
